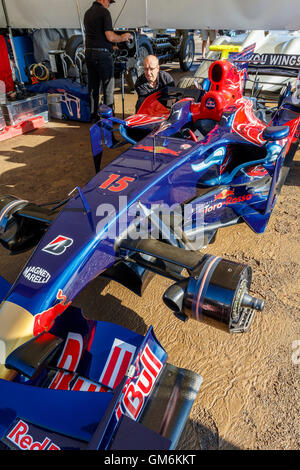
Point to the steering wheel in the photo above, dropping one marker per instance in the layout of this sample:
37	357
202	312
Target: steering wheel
130	44
193	136
175	94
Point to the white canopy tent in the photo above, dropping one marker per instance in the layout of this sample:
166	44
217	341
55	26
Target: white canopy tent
64	13
181	14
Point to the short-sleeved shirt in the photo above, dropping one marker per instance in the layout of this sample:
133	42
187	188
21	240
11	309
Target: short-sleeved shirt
143	88
97	20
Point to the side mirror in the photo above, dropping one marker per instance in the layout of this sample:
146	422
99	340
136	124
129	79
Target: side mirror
105	111
275	132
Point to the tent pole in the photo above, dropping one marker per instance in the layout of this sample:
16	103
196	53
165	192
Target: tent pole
80	21
146	7
16	63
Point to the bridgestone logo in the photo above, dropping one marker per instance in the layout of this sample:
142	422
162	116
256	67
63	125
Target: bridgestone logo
58	246
36	274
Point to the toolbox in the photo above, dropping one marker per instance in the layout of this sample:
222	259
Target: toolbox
15	112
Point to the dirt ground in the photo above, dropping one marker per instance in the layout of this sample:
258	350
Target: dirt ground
249	398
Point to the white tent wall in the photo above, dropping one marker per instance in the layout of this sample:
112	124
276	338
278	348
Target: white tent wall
63	13
224	14
41	14
184	14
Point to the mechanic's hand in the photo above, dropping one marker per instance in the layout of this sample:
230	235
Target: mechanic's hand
126	37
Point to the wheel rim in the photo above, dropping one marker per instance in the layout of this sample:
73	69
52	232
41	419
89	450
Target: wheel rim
189	56
79	50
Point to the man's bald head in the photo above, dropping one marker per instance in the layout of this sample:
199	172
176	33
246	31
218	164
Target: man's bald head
151	61
151	69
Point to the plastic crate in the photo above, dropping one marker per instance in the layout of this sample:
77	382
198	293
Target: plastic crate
16	112
2	121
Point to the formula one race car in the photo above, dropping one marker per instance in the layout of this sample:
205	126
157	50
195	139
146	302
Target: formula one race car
149	211
238	150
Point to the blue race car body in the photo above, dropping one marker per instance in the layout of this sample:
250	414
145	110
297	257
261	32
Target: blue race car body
115	227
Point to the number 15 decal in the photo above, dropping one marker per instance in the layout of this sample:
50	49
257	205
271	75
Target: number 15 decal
119	185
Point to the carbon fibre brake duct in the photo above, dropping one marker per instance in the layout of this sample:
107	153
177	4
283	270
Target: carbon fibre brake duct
216	291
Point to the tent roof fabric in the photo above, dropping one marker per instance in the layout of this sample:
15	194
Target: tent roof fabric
158	14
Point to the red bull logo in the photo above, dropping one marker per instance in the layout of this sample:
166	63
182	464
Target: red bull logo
158	149
223	194
45	320
210	103
22	439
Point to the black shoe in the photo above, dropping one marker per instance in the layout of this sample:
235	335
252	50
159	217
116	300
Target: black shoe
94	119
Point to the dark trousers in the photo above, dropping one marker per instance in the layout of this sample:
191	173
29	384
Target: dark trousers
100	68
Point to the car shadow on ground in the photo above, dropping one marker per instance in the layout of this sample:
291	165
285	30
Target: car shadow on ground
293	178
107	307
199	436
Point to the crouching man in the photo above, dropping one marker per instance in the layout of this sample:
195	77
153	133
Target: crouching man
153	79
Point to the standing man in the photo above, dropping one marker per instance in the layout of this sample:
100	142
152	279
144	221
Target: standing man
153	79
99	40
208	36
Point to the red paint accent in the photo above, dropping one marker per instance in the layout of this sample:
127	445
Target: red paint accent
158	149
5	68
92	334
61	381
152	107
78	384
246	124
133	400
92	388
57	240
257	170
149	382
123	368
226	87
71	354
194	138
45	320
111	366
152	358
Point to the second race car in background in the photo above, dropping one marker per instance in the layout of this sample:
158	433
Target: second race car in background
274	64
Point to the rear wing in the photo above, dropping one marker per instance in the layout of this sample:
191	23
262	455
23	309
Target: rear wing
282	65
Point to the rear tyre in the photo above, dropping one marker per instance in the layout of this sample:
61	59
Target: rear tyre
187	82
145	49
74	45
